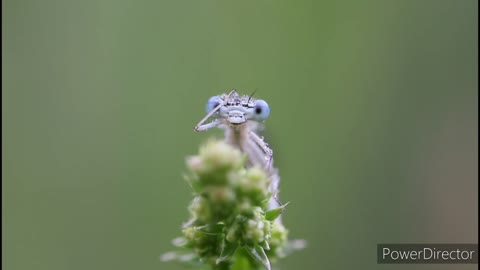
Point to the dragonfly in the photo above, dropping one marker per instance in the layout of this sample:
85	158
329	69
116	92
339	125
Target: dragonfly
241	117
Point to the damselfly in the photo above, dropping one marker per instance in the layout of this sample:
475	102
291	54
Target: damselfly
241	117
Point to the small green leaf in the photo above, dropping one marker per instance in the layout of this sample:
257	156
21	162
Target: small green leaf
258	254
190	178
228	250
196	186
211	228
241	261
271	215
264	202
265	245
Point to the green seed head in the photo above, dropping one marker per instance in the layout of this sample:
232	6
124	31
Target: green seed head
228	211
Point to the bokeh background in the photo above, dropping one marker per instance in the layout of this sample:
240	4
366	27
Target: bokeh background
373	123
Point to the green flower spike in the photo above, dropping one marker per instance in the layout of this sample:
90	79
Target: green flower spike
230	227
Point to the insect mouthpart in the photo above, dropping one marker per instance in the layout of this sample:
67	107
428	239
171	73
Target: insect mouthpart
236	117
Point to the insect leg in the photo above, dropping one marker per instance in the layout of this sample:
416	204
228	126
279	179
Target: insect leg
210	125
266	149
255	153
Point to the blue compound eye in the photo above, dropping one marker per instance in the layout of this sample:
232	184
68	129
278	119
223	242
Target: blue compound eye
261	110
212	103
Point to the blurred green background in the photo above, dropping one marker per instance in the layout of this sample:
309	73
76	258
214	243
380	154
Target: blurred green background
373	123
